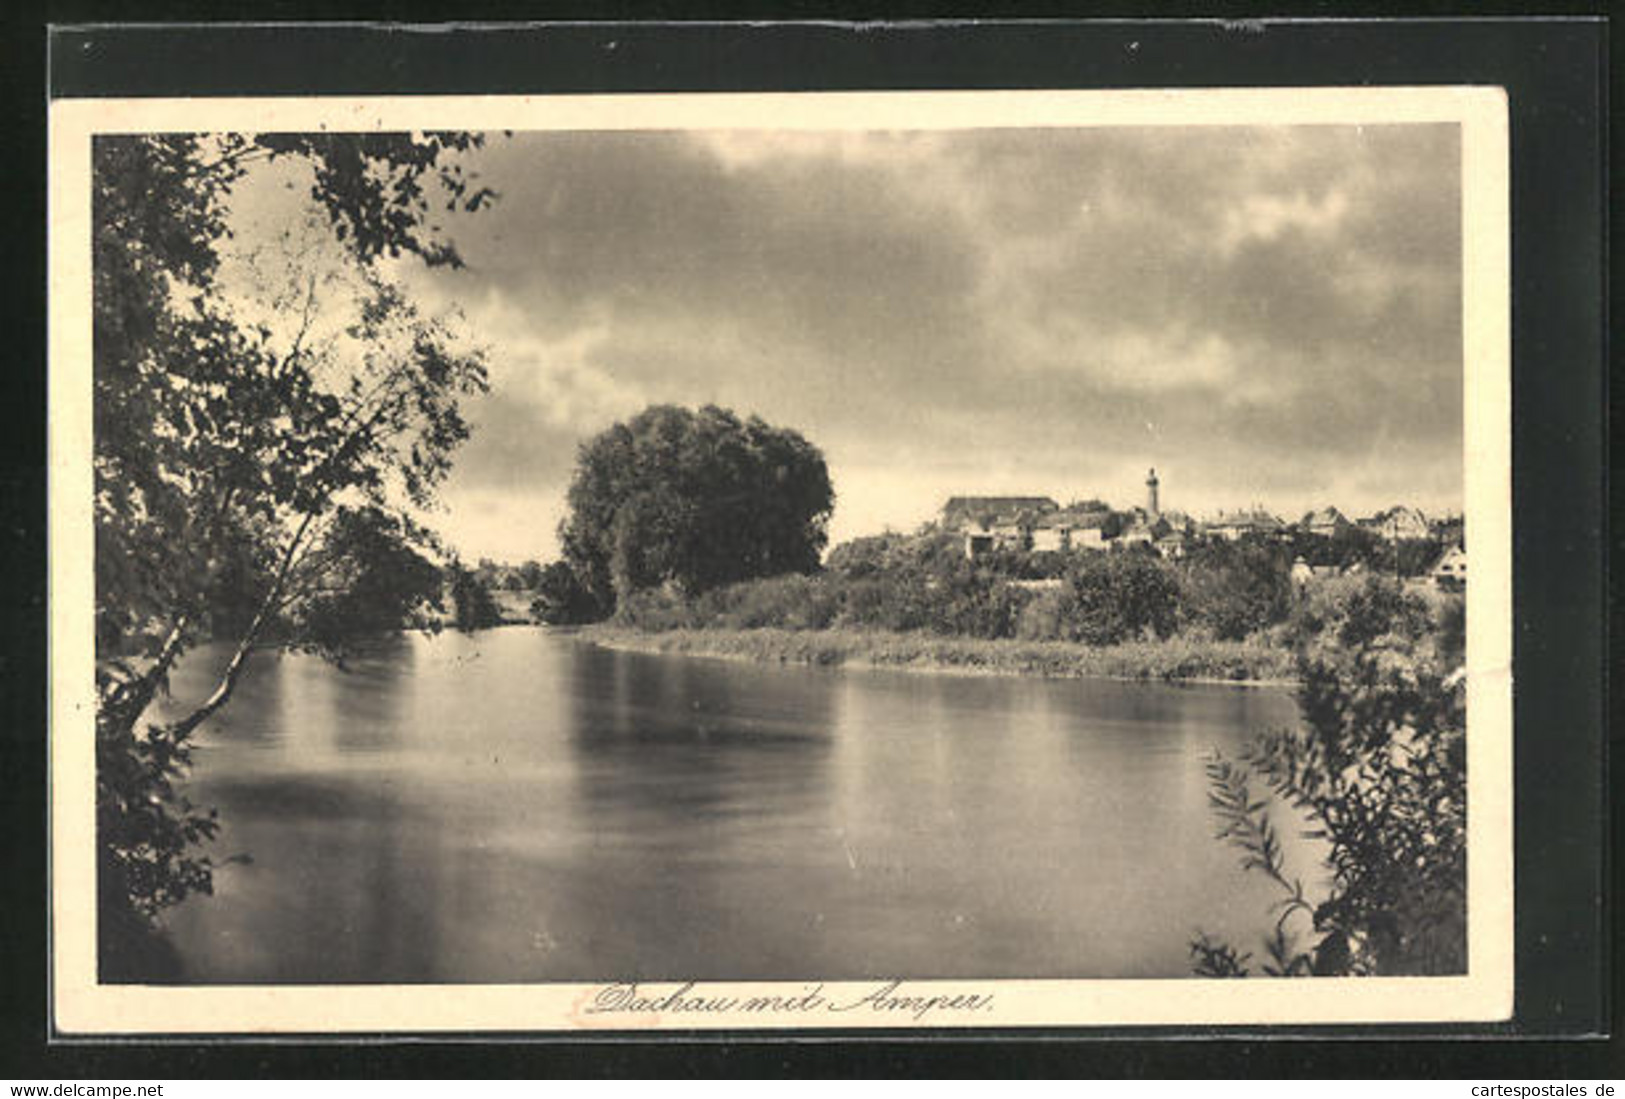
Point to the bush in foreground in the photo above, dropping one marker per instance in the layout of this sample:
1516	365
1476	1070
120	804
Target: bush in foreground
1379	772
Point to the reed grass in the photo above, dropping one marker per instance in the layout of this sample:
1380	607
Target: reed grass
1174	659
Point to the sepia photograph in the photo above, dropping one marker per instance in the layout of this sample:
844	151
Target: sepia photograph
921	559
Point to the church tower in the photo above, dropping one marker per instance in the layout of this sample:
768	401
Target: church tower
1151	495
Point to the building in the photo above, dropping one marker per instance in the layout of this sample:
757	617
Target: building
1325	522
1038	523
1254	521
1408	523
964	513
991	523
1398	524
1136	534
977	543
1091	535
1050	535
1070	529
1145	529
1451	571
1008	534
1172	544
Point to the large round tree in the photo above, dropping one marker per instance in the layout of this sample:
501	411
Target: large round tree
696	499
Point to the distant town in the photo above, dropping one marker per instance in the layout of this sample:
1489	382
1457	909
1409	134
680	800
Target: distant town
1038	524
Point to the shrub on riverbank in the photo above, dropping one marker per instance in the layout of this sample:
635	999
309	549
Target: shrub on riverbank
1378	769
1106	599
1235	589
1211	616
925	585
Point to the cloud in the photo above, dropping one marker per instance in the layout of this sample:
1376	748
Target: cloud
1266	313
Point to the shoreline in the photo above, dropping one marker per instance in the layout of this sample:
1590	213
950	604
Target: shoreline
1174	661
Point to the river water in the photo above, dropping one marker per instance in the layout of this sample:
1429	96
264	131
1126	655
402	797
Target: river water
519	805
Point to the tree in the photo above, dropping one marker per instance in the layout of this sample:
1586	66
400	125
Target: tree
1347	545
1415	556
365	578
1237	588
693	499
473	607
1107	598
236	453
561	600
530	575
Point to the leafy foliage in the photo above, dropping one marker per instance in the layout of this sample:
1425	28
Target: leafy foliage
873	556
365	577
1246	823
1351	545
1215	959
1351	612
189	400
693	499
1106	599
1346	546
148	827
473	607
1236	588
561	599
1379	772
924	583
244	463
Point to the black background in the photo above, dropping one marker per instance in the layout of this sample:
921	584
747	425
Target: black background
1554	74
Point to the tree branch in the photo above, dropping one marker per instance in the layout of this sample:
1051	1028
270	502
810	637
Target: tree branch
239	659
247	155
307	317
130	699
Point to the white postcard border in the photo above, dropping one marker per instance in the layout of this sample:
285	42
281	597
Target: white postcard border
82	1006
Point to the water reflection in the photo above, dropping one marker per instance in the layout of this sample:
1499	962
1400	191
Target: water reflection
518	806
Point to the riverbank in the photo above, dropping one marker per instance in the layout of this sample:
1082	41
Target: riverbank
1173	660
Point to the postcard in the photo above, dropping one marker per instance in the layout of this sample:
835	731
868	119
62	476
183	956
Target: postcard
814	561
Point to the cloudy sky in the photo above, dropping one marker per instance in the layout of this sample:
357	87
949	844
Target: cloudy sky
1265	315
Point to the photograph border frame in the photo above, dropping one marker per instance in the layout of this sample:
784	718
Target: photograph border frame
1548	65
1482	995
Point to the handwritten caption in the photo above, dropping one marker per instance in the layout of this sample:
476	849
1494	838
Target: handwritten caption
889	998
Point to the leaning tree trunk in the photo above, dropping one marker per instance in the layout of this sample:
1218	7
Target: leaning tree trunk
148	831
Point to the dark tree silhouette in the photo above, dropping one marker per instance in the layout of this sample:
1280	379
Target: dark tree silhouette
472	605
560	598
